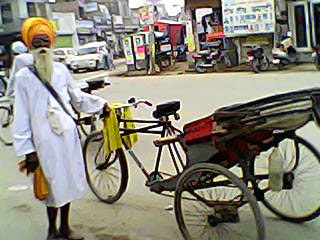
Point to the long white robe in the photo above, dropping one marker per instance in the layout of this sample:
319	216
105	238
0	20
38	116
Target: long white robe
60	156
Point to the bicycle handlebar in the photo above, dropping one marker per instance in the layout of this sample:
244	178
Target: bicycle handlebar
134	103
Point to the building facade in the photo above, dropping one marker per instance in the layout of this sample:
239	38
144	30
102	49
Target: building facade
14	12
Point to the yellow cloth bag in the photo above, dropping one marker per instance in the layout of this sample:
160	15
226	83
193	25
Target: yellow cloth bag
40	185
131	139
111	132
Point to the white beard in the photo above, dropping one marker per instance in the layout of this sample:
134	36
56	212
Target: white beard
43	62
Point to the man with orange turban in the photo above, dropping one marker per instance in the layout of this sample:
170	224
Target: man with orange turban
44	130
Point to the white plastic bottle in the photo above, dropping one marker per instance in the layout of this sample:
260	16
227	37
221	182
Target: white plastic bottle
275	170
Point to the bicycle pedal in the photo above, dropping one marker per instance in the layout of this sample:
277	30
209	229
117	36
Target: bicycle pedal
156	187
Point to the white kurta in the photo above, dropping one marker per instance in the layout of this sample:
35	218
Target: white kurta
60	156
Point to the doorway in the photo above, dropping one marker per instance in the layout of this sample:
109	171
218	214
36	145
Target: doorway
299	18
304	22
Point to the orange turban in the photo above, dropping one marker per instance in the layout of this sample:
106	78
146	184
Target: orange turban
36	26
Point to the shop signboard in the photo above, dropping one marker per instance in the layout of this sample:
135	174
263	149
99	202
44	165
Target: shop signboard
117	20
91	7
83	30
84	24
243	17
165	48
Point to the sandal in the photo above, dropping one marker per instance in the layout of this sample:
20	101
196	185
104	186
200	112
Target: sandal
71	236
53	236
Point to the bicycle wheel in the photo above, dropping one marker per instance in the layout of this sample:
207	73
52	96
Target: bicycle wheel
3	87
300	201
212	203
6	119
255	65
107	174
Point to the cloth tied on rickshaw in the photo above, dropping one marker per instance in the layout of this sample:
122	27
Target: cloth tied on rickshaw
111	131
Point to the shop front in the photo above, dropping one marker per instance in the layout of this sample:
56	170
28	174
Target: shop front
304	22
174	30
238	24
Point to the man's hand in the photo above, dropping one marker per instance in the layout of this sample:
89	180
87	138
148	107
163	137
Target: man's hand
106	111
22	166
32	162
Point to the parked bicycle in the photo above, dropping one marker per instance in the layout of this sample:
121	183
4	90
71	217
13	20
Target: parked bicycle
100	166
210	201
6	120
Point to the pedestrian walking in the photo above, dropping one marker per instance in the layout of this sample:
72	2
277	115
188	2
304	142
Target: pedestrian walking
44	130
105	58
21	59
111	56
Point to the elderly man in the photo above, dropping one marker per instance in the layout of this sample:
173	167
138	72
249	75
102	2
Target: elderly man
44	130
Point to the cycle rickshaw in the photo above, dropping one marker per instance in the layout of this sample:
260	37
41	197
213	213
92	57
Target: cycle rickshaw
210	200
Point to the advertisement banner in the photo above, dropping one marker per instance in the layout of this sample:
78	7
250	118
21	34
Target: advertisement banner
148	14
127	49
243	17
139	47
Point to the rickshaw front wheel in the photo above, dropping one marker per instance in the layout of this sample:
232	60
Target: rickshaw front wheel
213	203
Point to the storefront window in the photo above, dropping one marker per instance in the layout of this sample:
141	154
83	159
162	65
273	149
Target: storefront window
31	9
301	27
6	13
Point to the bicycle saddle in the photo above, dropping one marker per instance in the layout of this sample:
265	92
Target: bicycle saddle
95	84
166	109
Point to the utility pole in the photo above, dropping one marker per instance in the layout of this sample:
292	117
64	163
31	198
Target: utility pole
152	49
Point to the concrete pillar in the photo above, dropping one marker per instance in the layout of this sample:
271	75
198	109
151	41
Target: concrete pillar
22	9
48	11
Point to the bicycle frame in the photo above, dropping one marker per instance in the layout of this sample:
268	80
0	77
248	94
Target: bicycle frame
167	129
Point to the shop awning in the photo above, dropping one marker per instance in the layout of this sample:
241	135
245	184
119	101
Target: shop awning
202	3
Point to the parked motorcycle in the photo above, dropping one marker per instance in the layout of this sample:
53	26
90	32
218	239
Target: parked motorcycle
181	53
285	54
316	56
258	61
208	60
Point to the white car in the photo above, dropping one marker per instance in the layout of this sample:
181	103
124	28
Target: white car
64	55
89	57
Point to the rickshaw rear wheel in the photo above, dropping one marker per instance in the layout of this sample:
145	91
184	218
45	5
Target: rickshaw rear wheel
299	201
213	212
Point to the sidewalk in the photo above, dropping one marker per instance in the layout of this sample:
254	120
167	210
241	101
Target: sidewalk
182	68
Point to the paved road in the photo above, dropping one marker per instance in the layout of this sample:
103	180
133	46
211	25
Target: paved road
140	215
